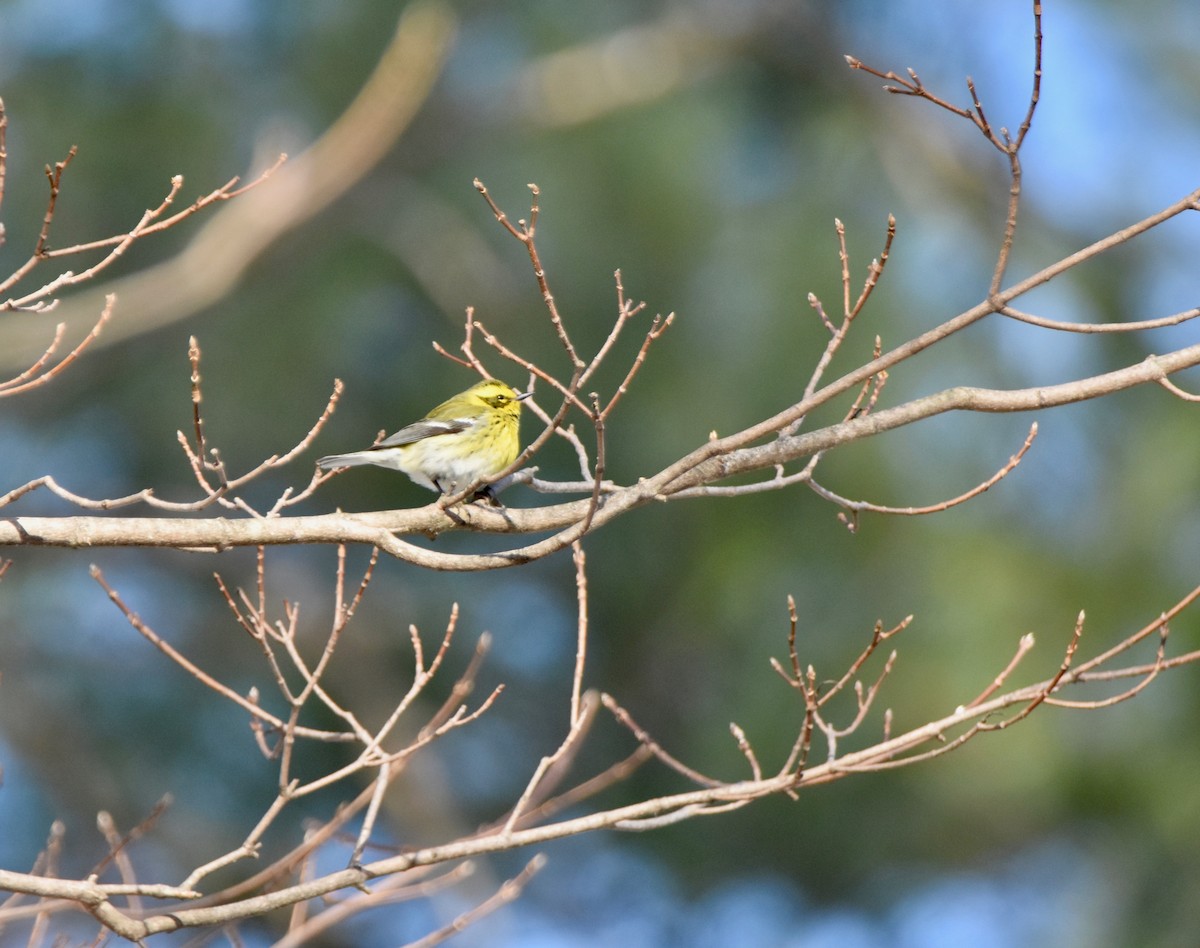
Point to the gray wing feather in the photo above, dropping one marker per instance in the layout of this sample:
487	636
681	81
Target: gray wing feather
420	430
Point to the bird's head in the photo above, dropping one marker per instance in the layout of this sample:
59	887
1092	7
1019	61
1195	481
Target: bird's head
496	395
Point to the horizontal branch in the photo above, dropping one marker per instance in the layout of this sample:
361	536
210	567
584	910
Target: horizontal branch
890	751
712	462
960	398
135	929
86	891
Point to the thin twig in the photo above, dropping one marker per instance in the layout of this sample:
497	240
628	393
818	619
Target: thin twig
37	375
857	506
508	892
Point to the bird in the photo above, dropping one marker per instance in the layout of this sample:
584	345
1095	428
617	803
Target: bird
466	439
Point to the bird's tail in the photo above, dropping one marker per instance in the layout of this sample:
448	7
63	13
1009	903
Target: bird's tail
345	460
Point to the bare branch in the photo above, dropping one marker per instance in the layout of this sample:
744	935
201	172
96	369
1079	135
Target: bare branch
1177	391
717	797
508	892
37	375
3	158
235	236
524	232
199	674
855	506
1137	326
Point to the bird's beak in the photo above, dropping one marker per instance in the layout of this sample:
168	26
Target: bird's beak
521	396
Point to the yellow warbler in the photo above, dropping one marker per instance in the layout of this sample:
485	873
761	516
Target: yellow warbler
466	439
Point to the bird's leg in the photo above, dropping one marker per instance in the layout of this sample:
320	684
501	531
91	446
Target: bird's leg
487	493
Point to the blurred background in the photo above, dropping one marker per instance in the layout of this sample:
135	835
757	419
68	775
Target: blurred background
704	148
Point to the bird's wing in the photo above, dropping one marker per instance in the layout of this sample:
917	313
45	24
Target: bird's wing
425	428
